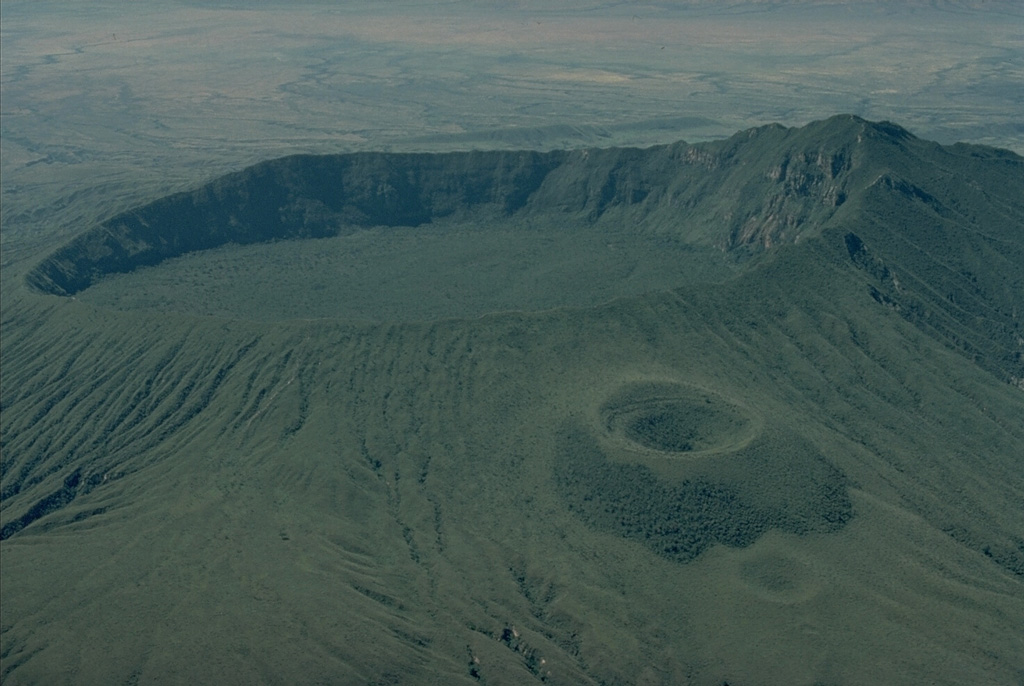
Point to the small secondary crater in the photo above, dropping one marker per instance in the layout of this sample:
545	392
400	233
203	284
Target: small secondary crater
636	467
674	418
779	578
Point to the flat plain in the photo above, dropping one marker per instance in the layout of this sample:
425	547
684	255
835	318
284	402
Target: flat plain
743	410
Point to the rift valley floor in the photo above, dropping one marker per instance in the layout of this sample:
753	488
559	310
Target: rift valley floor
742	412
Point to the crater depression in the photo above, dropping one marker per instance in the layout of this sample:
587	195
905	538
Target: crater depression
412	236
673	418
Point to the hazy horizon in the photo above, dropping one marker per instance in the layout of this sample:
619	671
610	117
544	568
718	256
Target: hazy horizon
109	105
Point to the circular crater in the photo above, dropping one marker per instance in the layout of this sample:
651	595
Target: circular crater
777	577
675	418
383	237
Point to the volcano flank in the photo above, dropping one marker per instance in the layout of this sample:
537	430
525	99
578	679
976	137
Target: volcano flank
744	411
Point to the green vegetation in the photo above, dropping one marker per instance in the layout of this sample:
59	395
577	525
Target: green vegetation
799	462
674	418
774	484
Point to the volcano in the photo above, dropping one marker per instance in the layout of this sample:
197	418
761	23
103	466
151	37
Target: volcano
744	411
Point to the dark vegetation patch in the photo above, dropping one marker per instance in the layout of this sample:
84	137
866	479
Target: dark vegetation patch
674	418
46	505
770	485
1005	551
664	428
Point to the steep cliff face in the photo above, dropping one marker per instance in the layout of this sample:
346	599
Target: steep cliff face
758	189
938	218
298	197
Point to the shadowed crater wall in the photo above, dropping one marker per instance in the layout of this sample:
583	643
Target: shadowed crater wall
298	197
704	194
633	221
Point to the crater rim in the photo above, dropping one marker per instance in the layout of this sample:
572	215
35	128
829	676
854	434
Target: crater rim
675	420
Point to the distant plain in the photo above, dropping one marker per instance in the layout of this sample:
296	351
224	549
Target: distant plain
105	107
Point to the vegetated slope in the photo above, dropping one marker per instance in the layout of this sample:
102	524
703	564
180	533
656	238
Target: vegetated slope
810	473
